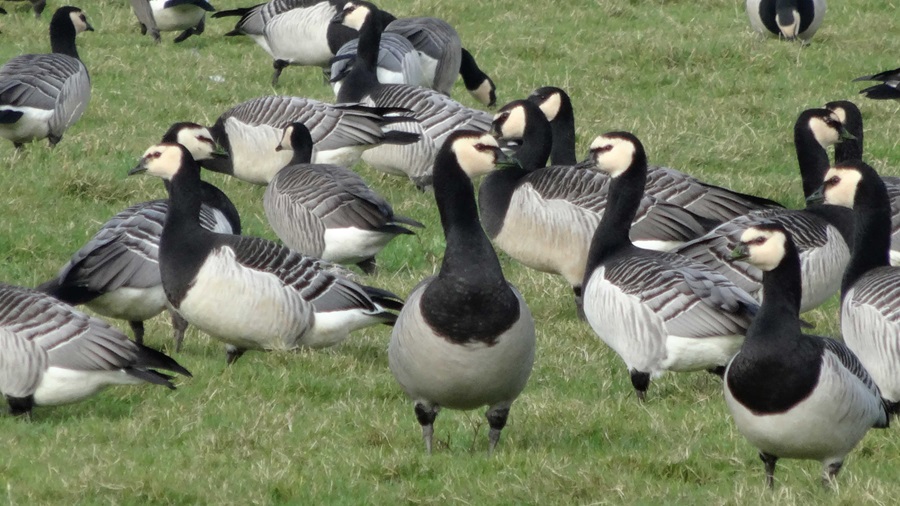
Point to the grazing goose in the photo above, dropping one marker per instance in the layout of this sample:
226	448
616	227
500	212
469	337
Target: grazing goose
887	90
398	62
465	338
51	353
253	19
557	107
545	217
870	290
659	311
328	211
436	115
42	95
251	130
823	234
790	19
794	395
187	16
246	291
117	272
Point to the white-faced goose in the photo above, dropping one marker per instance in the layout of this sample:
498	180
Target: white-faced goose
794	395
117	272
42	95
887	90
186	16
658	311
51	353
436	115
246	291
251	130
545	217
465	338
822	233
790	19
328	211
870	290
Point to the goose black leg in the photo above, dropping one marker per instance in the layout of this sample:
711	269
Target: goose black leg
426	416
579	303
179	326
21	406
278	65
232	353
496	418
769	461
138	329
368	266
54	139
641	382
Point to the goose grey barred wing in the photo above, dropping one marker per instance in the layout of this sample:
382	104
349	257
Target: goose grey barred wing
395	55
22	363
438	115
893	188
851	362
37	81
253	19
437	39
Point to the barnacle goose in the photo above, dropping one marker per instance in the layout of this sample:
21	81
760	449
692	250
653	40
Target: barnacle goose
659	311
117	272
42	95
557	107
786	18
870	290
252	22
887	90
187	16
545	217
794	395
51	353
398	62
823	234
436	115
246	291
465	338
328	211
251	130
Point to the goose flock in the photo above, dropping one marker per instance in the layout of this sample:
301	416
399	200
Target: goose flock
670	272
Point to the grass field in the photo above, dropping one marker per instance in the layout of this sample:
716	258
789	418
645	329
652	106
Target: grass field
704	93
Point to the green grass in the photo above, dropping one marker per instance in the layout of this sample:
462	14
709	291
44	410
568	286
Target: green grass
703	92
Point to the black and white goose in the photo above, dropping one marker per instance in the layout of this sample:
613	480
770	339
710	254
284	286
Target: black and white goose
246	291
51	353
822	233
42	95
252	22
658	311
436	115
398	62
557	107
870	291
794	395
328	211
545	218
465	338
790	19
887	90
251	130
117	272
186	16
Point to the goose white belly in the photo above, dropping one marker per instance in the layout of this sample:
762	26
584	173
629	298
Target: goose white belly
132	304
224	293
300	36
180	17
685	354
34	124
352	245
345	157
62	386
435	370
334	327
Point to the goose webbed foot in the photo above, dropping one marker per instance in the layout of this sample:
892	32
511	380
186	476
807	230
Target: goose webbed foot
769	461
496	418
426	415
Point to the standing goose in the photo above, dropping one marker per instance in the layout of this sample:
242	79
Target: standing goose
870	290
51	353
794	395
887	90
545	217
436	115
658	311
246	291
328	211
790	19
465	338
823	234
250	132
117	272
187	16
252	22
42	95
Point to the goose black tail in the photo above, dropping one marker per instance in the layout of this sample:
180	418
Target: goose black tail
384	299
234	12
398	137
148	358
877	92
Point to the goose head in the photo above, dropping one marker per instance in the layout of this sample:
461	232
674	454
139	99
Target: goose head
297	139
196	138
354	14
840	187
788	20
616	152
550	99
163	160
73	15
825	125
477	153
764	245
510	121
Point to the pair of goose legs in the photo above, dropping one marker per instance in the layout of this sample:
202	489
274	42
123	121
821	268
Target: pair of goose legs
496	417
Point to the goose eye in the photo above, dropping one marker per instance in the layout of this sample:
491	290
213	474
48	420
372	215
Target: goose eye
832	181
203	138
602	149
758	240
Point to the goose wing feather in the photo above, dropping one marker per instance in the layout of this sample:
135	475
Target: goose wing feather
22	363
438	114
37	80
674	187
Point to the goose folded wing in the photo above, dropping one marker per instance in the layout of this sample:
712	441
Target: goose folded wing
851	362
22	364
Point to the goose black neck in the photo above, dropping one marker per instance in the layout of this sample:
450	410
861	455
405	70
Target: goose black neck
363	77
779	313
62	34
563	126
872	231
537	139
471	73
301	144
625	193
811	157
184	198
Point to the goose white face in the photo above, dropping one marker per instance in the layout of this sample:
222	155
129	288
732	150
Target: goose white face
476	155
612	155
285	142
510	124
355	15
765	248
840	186
198	141
841	114
827	131
79	21
550	106
162	160
789	27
